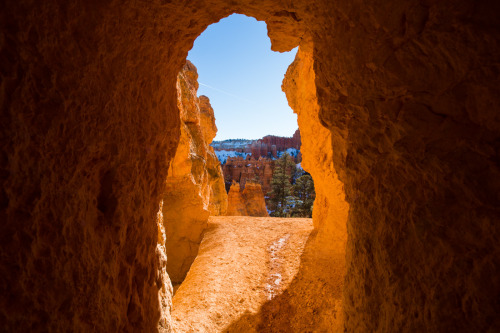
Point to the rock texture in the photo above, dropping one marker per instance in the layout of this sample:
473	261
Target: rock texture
248	170
259	259
236	205
194	186
267	147
409	91
254	199
218	195
330	209
249	202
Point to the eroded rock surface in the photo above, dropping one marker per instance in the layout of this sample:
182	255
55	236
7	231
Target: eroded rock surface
409	91
248	170
194	186
267	147
254	199
241	279
236	204
249	202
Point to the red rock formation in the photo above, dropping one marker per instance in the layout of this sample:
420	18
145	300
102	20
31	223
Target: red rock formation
266	147
250	202
236	205
240	170
194	186
283	143
254	199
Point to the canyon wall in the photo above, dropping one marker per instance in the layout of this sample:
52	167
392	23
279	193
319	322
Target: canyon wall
248	170
217	203
326	247
267	147
270	145
409	91
330	208
194	186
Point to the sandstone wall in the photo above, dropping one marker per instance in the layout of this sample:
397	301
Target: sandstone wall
217	204
414	140
194	186
326	247
409	91
330	208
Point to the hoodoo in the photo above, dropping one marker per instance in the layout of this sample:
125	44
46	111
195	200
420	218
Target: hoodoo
249	202
398	105
236	205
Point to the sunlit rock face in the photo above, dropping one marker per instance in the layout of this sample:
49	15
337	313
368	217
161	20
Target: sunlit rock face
218	196
236	205
194	186
249	202
409	91
330	208
248	170
254	200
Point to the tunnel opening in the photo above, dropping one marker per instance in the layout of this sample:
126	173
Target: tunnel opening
195	191
408	91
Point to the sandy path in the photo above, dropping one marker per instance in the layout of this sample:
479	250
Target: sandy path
243	263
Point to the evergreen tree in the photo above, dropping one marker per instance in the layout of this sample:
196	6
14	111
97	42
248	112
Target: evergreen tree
305	194
280	197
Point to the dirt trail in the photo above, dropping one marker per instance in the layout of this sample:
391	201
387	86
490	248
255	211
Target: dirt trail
243	263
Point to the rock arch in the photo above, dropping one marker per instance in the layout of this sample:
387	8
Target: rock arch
409	92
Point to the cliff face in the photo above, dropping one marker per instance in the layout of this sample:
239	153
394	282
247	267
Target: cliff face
194	186
250	202
409	91
218	194
245	170
330	210
267	147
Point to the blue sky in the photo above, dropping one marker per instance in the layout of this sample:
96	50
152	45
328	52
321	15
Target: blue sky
242	77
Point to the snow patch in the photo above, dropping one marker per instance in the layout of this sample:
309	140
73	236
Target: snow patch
222	155
291	151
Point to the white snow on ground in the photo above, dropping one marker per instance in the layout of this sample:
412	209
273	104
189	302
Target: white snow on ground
222	155
232	144
291	151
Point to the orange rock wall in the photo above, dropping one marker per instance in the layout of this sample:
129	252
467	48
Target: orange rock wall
330	208
194	186
409	91
217	204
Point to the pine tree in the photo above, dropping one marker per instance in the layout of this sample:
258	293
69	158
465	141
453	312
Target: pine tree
304	191
280	196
